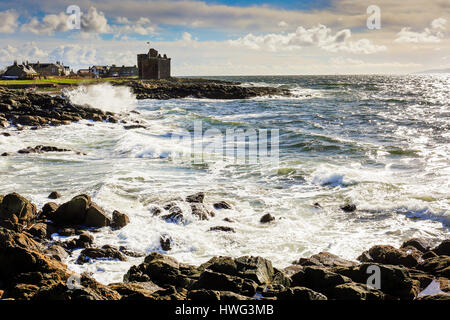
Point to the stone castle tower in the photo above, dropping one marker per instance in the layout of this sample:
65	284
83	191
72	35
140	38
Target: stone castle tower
153	66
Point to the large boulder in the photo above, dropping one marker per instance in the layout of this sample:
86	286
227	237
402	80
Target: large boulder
395	281
355	291
300	294
210	280
105	252
96	217
257	269
196	198
438	266
319	279
14	207
325	259
72	212
135	290
119	220
386	254
423	245
443	249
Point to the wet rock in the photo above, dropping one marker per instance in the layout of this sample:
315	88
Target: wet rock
355	291
130	253
38	230
349	207
84	240
386	254
56	252
155	211
41	149
14	208
105	252
135	290
134	126
435	297
27	273
317	205
422	245
161	269
119	220
221	205
67	232
257	269
200	211
229	220
165	242
443	249
196	198
429	254
222	228
210	280
318	279
96	217
54	195
175	215
300	294
438	266
48	209
203	295
72	212
267	218
395	281
325	259
6	154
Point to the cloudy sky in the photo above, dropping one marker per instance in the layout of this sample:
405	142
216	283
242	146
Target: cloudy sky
233	37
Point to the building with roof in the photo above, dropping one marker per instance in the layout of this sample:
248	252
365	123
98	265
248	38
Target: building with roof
20	71
56	69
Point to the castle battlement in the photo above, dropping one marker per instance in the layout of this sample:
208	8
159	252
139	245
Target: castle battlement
152	66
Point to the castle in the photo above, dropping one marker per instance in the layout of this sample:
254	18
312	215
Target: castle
153	66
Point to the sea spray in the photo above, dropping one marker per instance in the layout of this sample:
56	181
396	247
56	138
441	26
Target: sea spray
103	96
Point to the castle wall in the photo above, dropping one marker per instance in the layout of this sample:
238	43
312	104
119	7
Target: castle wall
150	66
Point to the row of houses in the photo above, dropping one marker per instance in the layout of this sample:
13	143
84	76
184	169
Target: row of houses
26	70
109	71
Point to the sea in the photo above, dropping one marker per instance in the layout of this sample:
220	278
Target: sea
379	142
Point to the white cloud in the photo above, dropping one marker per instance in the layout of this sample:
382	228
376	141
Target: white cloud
282	24
50	24
143	26
319	36
8	21
27	52
94	22
434	34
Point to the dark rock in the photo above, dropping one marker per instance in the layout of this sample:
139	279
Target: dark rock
175	215
15	207
443	249
200	211
429	254
135	290
119	220
67	232
325	259
222	228
355	291
386	254
166	242
318	279
438	266
155	211
56	252
6	154
257	269
317	205
210	280
38	230
72	212
229	220
105	252
130	253
422	245
267	218
41	149
395	281
300	294
48	209
349	207
54	195
96	217
203	295
196	198
435	297
222	205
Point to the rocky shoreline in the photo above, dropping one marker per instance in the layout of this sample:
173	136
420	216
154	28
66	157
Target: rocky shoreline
176	88
31	265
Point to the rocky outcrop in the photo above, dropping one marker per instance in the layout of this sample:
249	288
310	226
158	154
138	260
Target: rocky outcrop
198	88
23	108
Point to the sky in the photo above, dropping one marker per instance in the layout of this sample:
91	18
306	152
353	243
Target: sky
233	37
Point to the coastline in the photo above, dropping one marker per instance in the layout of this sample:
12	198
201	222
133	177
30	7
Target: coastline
32	267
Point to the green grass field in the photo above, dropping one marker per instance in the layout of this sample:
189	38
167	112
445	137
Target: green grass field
62	81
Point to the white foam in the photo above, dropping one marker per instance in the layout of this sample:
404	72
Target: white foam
104	96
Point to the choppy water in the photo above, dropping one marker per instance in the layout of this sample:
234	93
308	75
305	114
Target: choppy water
382	142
